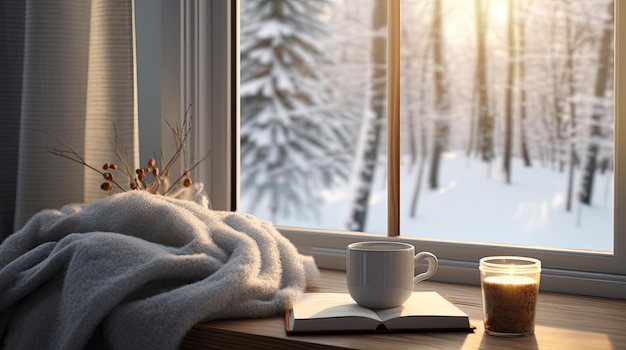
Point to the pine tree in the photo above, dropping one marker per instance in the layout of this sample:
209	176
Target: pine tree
293	141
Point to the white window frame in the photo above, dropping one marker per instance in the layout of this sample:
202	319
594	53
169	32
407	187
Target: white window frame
210	74
183	57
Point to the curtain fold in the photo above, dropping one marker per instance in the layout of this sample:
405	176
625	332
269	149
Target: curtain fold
11	64
76	80
110	91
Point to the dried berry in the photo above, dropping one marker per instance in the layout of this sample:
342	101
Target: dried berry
155	172
187	182
108	176
113	166
106	166
141	176
106	186
186	173
133	186
152	163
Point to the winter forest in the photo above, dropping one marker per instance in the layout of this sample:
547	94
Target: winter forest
506	118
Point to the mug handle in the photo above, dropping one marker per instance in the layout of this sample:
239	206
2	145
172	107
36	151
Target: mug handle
432	265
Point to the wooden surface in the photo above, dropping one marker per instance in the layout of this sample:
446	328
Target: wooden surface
562	322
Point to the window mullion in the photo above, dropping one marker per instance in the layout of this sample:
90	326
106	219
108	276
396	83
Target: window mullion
393	117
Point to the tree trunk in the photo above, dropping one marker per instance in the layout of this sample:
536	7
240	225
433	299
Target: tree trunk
423	154
412	133
420	174
442	98
485	119
363	174
471	143
557	101
510	80
573	157
602	76
522	80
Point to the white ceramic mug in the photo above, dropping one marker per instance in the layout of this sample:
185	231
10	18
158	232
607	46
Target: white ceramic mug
381	274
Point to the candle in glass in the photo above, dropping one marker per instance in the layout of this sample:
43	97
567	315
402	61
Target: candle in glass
509	292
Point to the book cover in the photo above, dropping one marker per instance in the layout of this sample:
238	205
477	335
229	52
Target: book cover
338	313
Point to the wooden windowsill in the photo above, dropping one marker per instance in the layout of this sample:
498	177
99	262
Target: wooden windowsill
562	322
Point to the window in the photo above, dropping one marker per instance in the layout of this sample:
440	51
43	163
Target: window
575	271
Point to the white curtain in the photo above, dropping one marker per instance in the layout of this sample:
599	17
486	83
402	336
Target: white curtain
67	68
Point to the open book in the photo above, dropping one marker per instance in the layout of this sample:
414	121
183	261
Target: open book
338	313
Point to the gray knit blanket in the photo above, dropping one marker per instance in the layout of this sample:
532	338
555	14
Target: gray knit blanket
137	271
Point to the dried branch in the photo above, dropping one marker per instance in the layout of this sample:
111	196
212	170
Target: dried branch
137	178
70	153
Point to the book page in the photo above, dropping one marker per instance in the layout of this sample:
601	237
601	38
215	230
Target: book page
328	305
422	304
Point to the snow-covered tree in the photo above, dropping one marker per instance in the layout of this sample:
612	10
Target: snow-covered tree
293	140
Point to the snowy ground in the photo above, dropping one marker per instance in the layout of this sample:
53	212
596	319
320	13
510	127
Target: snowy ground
473	205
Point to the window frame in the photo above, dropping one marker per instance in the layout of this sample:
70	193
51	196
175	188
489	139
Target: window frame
210	51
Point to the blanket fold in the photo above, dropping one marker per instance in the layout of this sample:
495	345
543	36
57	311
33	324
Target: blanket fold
137	271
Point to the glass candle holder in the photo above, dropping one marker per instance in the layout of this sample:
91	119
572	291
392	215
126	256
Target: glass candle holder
510	285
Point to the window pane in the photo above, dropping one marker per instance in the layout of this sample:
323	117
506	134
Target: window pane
313	113
507	119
